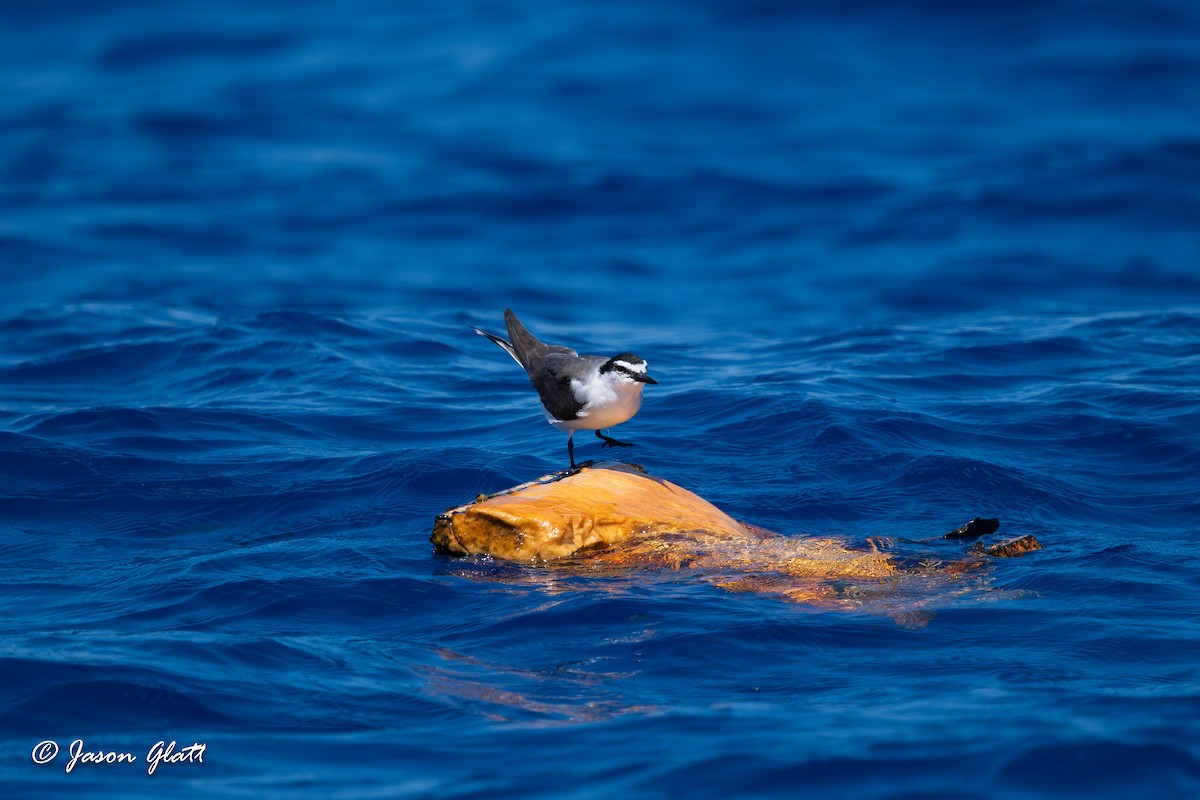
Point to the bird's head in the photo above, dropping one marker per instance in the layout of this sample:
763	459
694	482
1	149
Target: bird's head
627	367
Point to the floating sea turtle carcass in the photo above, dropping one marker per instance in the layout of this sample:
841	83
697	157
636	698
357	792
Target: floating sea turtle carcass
607	517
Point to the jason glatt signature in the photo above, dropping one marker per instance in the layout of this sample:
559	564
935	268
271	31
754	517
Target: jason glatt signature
162	752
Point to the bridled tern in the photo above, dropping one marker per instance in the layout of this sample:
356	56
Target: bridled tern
588	393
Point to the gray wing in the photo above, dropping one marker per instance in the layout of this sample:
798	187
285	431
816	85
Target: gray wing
553	383
550	367
529	351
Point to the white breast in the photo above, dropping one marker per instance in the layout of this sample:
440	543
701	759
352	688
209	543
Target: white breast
608	400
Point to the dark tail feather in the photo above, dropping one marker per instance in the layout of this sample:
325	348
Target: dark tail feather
529	348
502	343
531	351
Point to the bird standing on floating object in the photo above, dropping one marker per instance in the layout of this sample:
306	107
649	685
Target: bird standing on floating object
588	393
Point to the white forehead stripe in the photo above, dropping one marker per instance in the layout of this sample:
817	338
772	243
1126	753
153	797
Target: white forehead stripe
639	368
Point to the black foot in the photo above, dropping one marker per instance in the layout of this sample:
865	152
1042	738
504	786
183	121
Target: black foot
571	455
611	442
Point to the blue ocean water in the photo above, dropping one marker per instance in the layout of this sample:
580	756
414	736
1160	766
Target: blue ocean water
894	266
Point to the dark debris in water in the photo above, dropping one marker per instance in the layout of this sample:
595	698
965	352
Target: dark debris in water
1009	548
975	528
1006	548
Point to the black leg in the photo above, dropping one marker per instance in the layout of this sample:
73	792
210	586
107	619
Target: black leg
611	442
571	448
